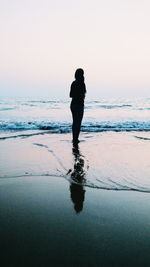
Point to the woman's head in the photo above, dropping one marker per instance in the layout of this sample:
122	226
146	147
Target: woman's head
79	75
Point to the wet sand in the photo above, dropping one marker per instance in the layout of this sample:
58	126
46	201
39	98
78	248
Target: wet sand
52	221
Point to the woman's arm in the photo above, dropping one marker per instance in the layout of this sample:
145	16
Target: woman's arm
72	90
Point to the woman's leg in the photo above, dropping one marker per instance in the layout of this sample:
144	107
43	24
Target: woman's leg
74	123
79	120
77	115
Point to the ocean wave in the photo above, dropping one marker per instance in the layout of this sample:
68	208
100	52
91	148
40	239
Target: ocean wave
7	108
103	106
22	126
46	101
28	104
57	127
144	108
114	106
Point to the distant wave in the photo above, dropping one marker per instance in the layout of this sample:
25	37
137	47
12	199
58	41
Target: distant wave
144	108
102	106
5	108
113	106
28	104
45	101
88	105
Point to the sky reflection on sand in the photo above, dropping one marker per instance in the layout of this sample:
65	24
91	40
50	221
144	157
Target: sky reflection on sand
114	161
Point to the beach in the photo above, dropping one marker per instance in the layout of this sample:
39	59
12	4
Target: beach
75	133
85	206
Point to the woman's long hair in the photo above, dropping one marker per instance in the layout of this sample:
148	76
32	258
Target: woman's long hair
79	75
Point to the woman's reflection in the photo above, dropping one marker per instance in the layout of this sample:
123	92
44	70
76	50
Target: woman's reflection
78	175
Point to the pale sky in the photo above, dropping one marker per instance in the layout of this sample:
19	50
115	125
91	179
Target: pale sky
44	41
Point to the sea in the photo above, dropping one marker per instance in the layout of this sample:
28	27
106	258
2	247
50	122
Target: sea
28	114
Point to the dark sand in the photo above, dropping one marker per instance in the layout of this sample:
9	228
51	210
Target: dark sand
40	227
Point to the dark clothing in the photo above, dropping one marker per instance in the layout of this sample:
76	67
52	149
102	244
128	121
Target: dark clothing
77	115
77	93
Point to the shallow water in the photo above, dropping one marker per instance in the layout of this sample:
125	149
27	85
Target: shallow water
111	161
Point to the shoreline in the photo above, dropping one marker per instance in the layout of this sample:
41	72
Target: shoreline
112	161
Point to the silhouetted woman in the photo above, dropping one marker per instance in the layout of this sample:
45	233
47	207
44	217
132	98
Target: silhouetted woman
77	93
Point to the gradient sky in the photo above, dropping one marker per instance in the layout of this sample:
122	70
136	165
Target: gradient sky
44	41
